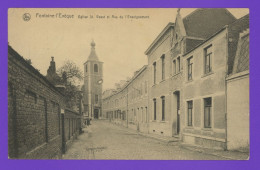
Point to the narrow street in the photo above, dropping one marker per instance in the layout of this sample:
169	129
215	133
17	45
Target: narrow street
104	140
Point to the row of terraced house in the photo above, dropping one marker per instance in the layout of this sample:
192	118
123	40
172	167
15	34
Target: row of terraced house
195	86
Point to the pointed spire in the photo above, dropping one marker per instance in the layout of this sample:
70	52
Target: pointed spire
93	55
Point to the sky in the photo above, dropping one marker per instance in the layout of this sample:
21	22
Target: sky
66	34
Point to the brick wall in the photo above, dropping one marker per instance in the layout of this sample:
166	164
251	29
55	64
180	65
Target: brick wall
72	124
34	112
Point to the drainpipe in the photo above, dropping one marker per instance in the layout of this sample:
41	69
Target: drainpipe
227	55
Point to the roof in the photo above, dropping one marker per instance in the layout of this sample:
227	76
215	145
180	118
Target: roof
169	25
204	22
128	82
242	55
213	35
234	29
93	56
18	57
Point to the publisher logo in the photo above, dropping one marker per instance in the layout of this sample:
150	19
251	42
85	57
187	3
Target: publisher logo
26	17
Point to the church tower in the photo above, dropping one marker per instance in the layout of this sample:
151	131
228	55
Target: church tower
93	79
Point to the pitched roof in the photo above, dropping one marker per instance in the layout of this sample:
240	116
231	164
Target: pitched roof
141	70
12	54
169	25
242	55
204	22
234	31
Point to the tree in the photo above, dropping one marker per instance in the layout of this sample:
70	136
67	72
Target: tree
71	72
72	77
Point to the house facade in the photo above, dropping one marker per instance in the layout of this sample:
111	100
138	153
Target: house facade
128	105
238	97
165	63
191	76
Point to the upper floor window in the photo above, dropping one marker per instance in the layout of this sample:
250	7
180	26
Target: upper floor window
174	67
190	62
145	87
96	99
208	59
86	68
154	73
163	66
178	64
95	68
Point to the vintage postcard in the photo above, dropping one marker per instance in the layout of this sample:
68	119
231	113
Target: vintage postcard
128	83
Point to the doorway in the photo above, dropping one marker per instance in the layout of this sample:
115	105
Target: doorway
96	111
176	111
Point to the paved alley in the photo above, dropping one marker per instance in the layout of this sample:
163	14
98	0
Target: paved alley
104	140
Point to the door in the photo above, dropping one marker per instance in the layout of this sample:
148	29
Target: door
178	112
96	113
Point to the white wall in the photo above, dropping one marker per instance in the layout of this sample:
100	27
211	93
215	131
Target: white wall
238	112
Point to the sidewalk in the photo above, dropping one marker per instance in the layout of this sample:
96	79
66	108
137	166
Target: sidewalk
230	155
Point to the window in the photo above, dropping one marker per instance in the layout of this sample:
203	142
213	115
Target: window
95	68
145	87
146	116
163	66
86	68
174	67
190	106
154	73
163	108
190	62
96	98
142	116
207	112
154	109
208	59
178	64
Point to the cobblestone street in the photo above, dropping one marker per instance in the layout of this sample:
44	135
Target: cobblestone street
103	140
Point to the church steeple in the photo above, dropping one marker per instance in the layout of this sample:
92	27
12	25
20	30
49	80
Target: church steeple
93	78
93	55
